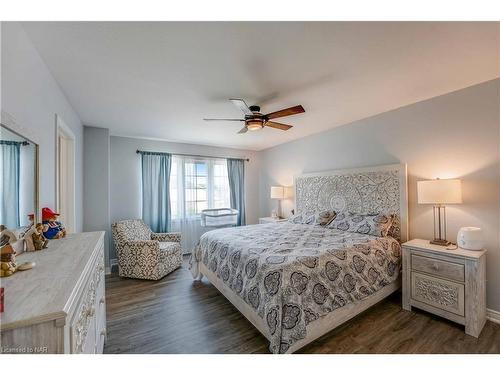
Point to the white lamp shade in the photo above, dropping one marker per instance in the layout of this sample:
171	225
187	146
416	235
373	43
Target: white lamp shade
277	192
288	192
439	191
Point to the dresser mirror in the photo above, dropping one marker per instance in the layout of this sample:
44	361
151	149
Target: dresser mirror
18	181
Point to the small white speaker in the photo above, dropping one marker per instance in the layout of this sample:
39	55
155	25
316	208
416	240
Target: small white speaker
470	238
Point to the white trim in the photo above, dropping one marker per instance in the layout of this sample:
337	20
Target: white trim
493	316
66	132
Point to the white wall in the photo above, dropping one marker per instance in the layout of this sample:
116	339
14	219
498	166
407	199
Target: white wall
33	98
454	135
96	183
125	174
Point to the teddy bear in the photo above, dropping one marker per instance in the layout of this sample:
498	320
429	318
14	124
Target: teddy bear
7	261
39	240
52	229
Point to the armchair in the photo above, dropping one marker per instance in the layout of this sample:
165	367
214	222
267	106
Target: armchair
143	254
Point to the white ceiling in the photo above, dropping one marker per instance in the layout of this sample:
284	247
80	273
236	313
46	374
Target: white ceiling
158	80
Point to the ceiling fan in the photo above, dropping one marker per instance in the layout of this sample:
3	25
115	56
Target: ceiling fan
254	120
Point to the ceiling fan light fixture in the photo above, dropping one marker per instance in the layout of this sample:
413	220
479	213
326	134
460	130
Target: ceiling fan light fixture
255	124
255	120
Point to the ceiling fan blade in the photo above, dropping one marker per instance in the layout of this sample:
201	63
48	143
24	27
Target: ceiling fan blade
240	103
222	119
277	125
243	130
285	112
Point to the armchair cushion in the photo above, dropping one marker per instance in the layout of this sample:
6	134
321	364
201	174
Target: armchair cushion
131	230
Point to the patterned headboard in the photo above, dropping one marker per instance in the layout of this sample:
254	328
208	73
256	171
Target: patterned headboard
381	189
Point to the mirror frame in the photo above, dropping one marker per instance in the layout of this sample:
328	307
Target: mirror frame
8	122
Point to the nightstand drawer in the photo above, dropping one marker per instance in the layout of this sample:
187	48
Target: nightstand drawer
440	268
443	294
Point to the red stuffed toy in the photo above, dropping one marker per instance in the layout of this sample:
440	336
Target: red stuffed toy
52	229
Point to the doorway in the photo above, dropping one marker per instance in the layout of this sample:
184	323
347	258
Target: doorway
65	175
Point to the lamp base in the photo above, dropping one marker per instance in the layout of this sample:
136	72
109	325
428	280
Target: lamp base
440	242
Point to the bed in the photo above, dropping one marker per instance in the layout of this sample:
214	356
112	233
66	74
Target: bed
295	281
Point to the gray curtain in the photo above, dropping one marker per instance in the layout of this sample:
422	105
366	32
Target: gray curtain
10	162
155	190
236	175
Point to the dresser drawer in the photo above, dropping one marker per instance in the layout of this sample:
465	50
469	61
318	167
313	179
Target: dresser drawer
440	268
82	329
89	310
440	293
100	317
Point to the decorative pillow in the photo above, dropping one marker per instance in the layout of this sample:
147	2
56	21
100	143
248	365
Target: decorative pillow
302	218
372	224
313	218
324	218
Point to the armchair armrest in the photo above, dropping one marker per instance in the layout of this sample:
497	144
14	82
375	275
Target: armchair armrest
166	237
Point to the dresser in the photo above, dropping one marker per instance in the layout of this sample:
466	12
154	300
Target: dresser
59	305
448	283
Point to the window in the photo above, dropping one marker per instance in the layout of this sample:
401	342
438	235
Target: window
197	184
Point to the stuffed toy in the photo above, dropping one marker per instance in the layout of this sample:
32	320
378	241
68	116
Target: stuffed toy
7	261
31	219
27	228
52	229
6	236
39	240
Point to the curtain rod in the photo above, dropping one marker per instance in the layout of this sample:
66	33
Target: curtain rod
22	143
193	155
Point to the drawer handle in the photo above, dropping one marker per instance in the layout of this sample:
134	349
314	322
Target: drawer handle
103	332
101	301
435	266
91	311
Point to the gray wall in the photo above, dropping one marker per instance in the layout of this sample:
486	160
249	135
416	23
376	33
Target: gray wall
126	174
454	135
32	97
96	183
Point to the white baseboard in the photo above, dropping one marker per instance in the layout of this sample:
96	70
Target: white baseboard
493	315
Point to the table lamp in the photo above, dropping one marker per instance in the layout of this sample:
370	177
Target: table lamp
277	192
439	193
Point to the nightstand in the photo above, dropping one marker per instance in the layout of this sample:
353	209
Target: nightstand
267	220
448	283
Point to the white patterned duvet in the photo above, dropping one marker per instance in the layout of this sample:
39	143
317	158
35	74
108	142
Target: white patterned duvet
292	274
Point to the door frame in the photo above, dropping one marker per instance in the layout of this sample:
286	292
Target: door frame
63	131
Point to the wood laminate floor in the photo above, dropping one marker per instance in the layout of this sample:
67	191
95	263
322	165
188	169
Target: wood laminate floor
175	315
